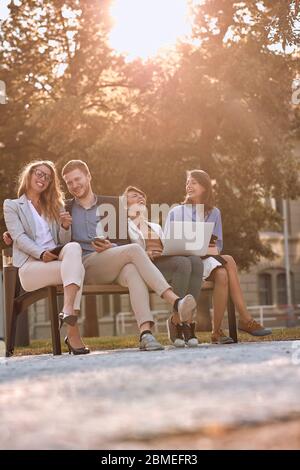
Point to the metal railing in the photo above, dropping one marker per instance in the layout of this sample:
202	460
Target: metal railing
127	319
275	313
262	313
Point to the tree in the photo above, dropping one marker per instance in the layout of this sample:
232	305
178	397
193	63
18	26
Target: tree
225	108
66	87
221	104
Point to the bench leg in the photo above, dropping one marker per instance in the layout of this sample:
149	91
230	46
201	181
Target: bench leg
10	336
9	286
114	324
232	320
53	312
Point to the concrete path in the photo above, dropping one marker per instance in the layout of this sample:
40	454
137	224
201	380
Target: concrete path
128	399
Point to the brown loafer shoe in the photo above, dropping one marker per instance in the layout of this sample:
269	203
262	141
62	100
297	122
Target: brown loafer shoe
219	337
254	328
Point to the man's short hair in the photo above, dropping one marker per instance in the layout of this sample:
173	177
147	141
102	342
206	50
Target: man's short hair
75	165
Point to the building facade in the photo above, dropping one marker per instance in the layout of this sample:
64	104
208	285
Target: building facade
265	283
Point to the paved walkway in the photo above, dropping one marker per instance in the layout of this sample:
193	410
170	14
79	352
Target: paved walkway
115	398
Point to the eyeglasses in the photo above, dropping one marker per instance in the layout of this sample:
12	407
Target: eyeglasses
42	175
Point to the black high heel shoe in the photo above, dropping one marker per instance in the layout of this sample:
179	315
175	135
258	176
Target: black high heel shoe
75	351
70	320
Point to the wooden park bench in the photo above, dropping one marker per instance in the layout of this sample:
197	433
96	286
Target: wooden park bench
16	301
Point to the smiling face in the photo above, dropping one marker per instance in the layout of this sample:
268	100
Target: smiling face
136	203
134	197
194	190
40	179
78	183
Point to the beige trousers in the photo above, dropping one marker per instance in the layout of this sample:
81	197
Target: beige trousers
68	269
129	266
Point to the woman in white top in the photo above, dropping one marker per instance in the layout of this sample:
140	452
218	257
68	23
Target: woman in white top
37	224
219	268
184	273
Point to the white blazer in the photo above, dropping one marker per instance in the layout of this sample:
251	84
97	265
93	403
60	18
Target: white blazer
20	224
136	236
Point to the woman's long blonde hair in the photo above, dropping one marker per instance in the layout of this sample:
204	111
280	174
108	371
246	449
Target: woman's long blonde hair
52	198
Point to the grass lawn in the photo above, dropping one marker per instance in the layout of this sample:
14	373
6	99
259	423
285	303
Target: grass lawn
120	342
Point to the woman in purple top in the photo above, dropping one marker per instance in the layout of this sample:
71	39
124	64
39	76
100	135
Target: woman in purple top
221	269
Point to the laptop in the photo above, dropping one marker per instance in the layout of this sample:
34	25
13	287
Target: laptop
187	238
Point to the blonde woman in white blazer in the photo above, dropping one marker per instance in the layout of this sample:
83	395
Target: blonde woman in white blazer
37	223
184	273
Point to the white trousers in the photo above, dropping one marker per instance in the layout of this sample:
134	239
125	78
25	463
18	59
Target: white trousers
68	269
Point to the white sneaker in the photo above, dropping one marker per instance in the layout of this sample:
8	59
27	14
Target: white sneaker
190	337
149	343
186	308
175	333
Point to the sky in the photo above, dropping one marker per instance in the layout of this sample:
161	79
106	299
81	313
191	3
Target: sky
143	28
4	12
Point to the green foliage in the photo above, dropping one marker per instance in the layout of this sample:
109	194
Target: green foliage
223	105
226	109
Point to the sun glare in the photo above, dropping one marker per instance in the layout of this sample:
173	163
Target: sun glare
143	27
